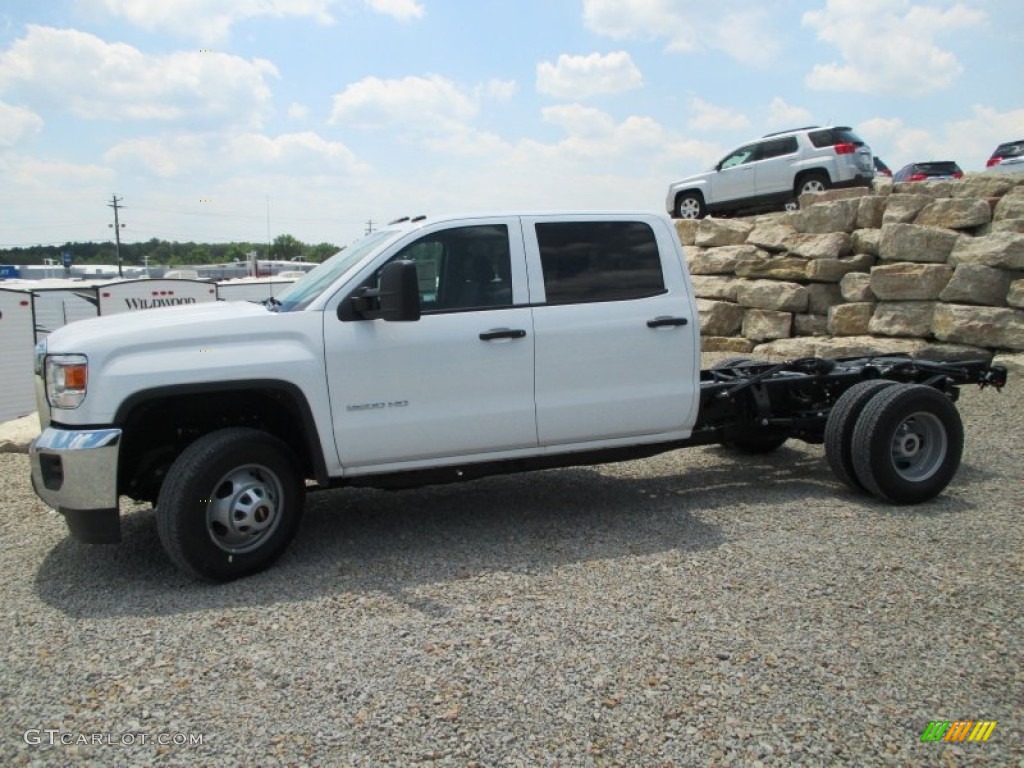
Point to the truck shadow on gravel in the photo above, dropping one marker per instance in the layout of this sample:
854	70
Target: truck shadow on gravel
366	541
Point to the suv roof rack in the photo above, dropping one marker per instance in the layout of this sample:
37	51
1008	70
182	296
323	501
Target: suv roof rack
791	130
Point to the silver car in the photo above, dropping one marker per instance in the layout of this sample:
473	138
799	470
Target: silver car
1007	158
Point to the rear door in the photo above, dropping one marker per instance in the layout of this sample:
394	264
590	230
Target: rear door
775	166
616	338
457	382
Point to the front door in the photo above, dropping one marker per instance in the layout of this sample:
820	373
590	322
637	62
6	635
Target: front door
457	382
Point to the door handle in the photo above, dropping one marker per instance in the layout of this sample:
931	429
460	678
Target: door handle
502	333
663	322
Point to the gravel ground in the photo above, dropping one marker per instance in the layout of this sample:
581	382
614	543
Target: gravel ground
691	609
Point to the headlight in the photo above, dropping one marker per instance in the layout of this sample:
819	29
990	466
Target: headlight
67	377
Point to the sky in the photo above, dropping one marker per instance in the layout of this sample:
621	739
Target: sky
224	120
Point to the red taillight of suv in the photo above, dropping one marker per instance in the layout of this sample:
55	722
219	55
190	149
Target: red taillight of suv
958	175
845	149
917	177
993	161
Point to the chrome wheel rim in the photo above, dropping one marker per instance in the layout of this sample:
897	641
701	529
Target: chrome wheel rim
918	447
689	208
244	509
812	186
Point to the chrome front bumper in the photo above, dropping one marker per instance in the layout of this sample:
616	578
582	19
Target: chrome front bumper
75	472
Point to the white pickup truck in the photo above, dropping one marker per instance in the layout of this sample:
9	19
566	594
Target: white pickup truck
440	350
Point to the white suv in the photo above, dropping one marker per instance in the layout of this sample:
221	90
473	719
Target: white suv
774	171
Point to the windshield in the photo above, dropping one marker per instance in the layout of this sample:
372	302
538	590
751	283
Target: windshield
303	292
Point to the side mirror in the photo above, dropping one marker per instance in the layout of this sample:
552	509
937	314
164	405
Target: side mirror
399	292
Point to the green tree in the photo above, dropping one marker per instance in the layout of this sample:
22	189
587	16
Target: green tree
319	252
286	248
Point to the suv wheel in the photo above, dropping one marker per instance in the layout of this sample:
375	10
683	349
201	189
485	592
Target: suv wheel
812	182
690	205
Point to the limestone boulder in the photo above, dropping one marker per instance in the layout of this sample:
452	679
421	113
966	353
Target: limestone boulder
870	210
1004	250
820	246
1003	225
1009	208
715	232
687	230
714	287
847	346
856	286
983	185
833	270
772	235
766	324
910	242
850	319
736	344
909	282
721	261
719	318
1012	362
903	208
902	318
955	213
810	325
772	294
832	216
867	241
1015	296
991	327
822	296
951	353
977	284
776	268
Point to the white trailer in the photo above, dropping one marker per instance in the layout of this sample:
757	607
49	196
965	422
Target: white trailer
133	295
16	341
250	289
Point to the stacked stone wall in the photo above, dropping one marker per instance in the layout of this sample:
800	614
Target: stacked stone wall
933	269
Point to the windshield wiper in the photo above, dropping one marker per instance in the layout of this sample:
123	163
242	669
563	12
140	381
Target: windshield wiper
271	303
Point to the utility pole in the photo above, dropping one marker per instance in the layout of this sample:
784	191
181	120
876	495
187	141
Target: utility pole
117	231
369	226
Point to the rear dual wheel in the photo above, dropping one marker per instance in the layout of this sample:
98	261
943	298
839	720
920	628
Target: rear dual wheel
904	445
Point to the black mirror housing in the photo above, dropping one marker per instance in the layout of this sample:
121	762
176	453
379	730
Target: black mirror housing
399	292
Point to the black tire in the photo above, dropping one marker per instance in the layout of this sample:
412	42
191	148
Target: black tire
816	181
230	504
840	425
690	205
907	443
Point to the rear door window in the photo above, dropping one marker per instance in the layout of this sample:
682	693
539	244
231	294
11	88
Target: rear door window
778	147
599	261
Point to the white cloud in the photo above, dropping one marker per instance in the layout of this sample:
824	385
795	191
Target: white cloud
47	174
426	104
711	117
198	155
209	20
67	70
580	77
888	46
969	141
501	90
403	10
297	111
16	122
731	26
782	114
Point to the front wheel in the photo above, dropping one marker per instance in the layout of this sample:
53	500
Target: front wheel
230	504
907	443
690	205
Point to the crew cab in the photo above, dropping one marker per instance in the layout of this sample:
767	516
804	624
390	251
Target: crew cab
441	350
